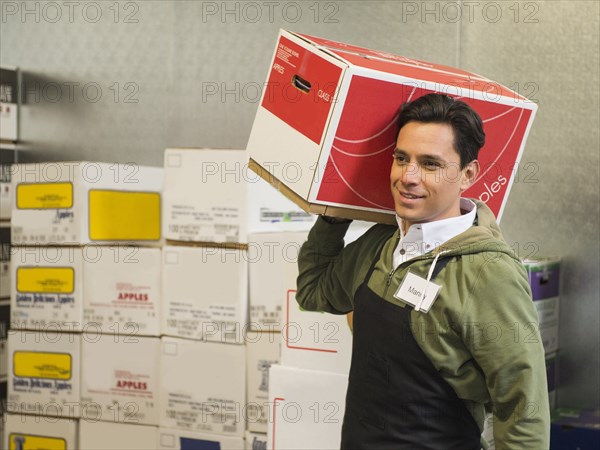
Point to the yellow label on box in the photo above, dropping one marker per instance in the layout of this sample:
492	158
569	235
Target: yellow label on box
44	195
124	216
32	442
56	366
54	280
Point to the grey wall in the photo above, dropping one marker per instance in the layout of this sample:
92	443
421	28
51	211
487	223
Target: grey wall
175	74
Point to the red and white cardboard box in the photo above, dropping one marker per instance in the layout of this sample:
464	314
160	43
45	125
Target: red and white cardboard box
329	112
211	196
116	436
170	439
120	378
307	409
44	373
315	340
203	386
24	431
205	293
262	351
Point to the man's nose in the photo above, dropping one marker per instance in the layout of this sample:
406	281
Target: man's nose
411	174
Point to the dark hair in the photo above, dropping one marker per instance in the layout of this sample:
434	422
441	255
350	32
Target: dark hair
440	108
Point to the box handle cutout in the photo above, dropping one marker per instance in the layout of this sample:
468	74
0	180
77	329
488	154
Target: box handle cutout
301	84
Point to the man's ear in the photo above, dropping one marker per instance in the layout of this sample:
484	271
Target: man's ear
469	175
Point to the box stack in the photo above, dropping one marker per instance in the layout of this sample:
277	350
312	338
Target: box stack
226	229
84	338
544	279
8	155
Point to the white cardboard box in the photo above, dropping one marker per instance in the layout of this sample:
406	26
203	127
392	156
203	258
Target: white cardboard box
8	152
187	440
211	196
25	431
120	378
330	111
43	373
108	289
73	203
544	279
315	340
307	409
273	270
203	386
262	351
256	441
116	436
122	290
205	293
9	104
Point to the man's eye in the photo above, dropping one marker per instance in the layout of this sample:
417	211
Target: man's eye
431	165
401	159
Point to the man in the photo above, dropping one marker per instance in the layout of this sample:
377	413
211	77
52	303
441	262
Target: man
444	326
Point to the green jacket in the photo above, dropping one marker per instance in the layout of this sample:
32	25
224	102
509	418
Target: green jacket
482	332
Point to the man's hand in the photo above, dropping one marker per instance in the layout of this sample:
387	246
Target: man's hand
334	220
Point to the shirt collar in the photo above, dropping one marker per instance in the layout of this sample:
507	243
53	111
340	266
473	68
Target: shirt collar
437	232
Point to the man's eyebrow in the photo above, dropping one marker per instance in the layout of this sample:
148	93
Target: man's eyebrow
399	151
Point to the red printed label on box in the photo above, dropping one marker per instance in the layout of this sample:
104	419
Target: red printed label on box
301	88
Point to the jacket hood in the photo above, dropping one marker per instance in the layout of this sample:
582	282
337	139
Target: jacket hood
483	236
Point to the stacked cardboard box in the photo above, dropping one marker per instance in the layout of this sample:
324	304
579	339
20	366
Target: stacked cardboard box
544	279
85	296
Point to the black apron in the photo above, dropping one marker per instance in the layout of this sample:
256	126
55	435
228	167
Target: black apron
396	398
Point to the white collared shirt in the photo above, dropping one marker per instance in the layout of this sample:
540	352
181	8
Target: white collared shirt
424	237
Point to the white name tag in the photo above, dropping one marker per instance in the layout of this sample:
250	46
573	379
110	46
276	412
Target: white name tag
412	289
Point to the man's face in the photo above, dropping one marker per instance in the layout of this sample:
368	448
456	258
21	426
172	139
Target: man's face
426	177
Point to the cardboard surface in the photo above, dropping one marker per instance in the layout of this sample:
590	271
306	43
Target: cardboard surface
203	386
74	203
205	293
315	340
211	196
120	378
307	409
116	436
24	431
44	373
256	441
273	270
122	290
262	351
